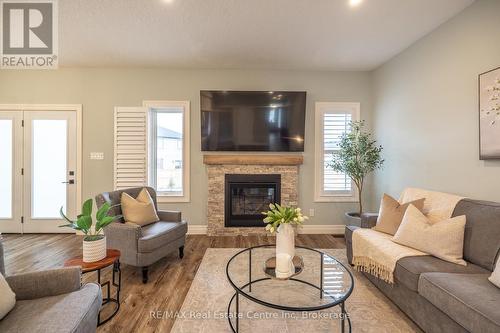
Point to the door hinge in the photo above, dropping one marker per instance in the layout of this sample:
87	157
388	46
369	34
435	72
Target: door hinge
22	123
22	171
22	219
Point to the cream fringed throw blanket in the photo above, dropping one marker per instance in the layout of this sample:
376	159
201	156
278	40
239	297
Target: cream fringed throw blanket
438	206
375	253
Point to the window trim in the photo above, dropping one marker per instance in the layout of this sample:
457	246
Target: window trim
186	151
320	109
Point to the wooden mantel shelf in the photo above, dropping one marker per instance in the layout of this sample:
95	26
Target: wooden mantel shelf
254	159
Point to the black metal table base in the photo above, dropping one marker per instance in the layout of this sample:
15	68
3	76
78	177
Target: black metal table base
236	297
117	273
235	328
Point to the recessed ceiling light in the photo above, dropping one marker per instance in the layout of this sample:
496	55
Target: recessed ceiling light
168	1
354	3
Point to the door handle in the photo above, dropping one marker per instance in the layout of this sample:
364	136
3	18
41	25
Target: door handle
71	181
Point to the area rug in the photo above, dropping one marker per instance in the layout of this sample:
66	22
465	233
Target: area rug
205	306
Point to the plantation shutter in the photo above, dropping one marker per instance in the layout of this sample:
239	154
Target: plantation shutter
131	150
335	123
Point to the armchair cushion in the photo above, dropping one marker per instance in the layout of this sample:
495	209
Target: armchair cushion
114	199
45	283
140	210
73	312
160	233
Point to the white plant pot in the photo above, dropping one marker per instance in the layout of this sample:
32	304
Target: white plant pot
94	250
285	244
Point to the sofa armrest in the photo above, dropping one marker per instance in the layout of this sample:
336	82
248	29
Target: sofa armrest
45	283
123	235
369	220
169	216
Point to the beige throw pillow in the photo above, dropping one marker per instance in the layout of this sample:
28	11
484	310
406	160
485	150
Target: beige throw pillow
391	213
140	210
443	239
7	297
495	276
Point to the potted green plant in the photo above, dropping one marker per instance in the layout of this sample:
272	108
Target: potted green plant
358	156
280	219
94	242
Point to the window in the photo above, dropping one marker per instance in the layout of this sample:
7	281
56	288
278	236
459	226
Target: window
160	163
331	121
168	149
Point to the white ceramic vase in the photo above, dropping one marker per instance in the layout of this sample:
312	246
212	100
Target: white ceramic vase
285	243
94	250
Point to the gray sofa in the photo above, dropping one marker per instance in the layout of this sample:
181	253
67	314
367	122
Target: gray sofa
143	246
51	301
444	297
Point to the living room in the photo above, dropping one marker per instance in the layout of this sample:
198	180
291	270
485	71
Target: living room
145	144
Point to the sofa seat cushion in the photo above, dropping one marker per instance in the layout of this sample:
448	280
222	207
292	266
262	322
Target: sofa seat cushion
469	299
408	269
73	312
157	234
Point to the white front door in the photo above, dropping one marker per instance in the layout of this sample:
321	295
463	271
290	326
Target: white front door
45	174
11	159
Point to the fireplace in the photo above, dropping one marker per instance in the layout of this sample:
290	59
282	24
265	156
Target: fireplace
246	196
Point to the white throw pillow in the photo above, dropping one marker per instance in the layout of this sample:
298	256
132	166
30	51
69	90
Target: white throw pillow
495	276
443	239
8	299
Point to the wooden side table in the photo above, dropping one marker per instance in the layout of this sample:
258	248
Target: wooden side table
112	258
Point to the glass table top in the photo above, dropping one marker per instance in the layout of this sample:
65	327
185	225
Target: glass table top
324	282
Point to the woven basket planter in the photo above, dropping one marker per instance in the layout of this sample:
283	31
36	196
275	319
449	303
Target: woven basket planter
94	250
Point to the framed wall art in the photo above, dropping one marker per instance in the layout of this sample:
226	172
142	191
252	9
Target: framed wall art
489	114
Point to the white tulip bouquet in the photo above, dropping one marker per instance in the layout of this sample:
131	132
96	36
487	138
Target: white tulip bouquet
278	215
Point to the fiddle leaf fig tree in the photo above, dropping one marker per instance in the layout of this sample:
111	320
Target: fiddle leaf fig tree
358	155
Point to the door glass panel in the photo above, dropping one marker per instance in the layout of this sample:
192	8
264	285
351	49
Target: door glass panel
49	168
5	168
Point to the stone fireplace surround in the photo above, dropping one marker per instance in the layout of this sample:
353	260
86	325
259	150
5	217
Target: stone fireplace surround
220	165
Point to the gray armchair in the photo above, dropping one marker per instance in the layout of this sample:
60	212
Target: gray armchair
51	301
143	246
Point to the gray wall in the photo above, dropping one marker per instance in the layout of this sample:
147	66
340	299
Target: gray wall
426	108
99	90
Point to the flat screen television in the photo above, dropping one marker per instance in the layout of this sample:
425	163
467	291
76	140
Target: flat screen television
252	120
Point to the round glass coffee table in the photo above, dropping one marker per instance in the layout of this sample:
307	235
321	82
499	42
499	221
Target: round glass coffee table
323	283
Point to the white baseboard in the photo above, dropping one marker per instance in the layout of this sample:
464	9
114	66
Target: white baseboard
197	229
305	229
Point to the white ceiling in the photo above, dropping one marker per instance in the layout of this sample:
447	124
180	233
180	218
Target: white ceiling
281	34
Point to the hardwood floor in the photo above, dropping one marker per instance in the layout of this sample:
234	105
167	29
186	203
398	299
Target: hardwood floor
169	279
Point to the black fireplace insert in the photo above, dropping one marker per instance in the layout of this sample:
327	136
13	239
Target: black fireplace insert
247	196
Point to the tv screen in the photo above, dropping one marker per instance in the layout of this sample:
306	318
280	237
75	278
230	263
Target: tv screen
252	120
